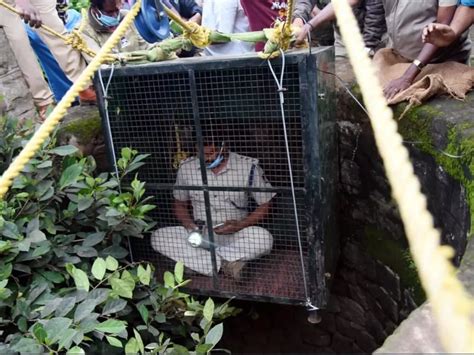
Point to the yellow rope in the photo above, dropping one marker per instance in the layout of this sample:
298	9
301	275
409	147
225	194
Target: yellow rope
60	110
198	35
453	308
73	39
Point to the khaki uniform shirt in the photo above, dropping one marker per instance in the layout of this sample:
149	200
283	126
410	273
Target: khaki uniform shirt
405	22
225	205
132	41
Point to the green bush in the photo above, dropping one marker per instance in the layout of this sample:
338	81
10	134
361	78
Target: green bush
65	282
79	4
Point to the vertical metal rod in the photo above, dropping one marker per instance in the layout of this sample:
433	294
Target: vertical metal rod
202	163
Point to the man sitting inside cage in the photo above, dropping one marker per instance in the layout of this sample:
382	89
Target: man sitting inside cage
237	238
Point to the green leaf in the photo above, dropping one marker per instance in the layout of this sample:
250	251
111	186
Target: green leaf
36	236
111	263
93	239
115	251
132	346
179	350
42	249
114	306
76	351
126	153
123	288
85	252
50	307
66	338
56	326
99	295
70	175
84	202
99	268
45	164
169	279
144	275
5	271
27	346
53	276
141	346
5	246
179	272
80	278
64	150
208	311
114	341
111	326
83	310
143	312
39	332
215	334
66	306
160	317
203	348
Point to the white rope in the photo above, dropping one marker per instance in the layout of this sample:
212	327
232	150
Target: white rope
281	90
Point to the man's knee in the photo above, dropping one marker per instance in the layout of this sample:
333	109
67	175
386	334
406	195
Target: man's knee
167	237
262	239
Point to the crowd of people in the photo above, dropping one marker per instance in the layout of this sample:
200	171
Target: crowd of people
422	32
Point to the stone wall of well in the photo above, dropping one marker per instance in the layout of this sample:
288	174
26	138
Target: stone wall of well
376	286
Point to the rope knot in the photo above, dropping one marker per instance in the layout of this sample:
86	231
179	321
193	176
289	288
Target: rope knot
198	35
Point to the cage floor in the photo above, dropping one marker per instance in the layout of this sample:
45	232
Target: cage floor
279	275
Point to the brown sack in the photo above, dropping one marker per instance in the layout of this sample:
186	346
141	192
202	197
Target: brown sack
451	78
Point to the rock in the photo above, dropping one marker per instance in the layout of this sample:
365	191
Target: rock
389	306
348	328
417	334
316	337
375	328
328	322
357	295
334	304
390	327
358	260
389	280
82	128
341	344
366	342
351	310
348	275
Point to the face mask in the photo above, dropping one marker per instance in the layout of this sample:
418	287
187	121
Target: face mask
218	159
109	21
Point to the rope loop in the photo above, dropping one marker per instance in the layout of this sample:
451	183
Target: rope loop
198	35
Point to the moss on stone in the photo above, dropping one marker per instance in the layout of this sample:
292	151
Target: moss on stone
84	129
397	257
416	127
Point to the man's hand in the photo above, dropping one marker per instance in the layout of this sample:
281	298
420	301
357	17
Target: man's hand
303	34
28	13
229	227
438	34
396	86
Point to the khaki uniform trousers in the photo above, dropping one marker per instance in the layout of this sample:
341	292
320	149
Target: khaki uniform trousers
70	60
26	58
247	244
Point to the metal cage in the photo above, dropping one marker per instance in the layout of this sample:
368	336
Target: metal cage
173	110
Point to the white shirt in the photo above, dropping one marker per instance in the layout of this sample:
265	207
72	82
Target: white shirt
226	16
225	205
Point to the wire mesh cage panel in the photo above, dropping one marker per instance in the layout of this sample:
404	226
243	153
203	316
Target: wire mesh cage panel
229	173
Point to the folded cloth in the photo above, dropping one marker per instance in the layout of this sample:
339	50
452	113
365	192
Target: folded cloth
451	78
